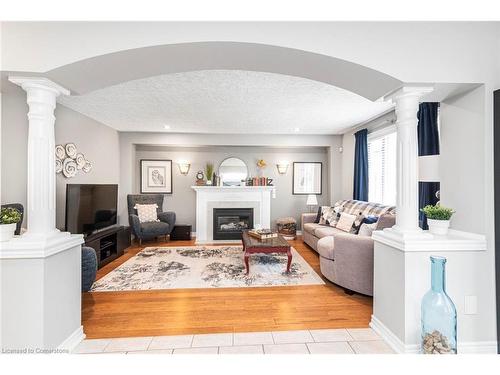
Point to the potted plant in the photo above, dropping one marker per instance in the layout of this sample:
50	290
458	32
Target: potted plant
209	171
9	217
438	218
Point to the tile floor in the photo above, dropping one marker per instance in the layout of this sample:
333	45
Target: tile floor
322	341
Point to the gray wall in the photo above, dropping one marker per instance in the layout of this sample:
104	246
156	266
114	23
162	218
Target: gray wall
461	160
183	199
99	143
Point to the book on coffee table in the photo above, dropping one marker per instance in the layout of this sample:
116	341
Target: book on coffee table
262	234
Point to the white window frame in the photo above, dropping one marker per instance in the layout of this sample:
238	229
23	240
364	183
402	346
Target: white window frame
373	136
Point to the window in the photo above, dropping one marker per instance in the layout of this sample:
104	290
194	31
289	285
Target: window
382	166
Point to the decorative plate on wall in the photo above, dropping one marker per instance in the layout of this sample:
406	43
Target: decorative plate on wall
69	168
58	166
80	160
60	152
71	150
69	161
87	167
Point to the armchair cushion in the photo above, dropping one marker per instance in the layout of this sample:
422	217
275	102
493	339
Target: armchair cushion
154	229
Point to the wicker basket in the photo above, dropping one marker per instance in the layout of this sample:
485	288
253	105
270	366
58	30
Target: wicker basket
287	227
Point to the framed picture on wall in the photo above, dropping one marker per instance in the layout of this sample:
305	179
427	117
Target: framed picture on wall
156	176
307	178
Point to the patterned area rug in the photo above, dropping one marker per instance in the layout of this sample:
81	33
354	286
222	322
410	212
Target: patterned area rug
205	267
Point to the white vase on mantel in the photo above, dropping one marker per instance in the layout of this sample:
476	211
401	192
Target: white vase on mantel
209	182
438	227
7	232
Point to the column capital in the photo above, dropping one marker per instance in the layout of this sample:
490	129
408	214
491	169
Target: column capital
408	91
43	83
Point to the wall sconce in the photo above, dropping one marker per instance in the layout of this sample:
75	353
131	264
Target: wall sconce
282	168
184	168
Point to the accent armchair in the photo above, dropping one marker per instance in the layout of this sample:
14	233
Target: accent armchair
147	231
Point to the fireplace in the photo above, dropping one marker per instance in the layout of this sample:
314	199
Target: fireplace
230	222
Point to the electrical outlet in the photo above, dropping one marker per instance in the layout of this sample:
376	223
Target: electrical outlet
470	305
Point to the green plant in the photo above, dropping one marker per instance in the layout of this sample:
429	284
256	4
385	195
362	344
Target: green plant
209	171
437	212
9	215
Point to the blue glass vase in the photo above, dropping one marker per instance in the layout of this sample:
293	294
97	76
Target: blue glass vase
439	315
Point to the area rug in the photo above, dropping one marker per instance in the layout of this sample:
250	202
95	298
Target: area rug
205	267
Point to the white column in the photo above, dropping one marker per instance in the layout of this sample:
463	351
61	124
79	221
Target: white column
41	303
407	100
41	97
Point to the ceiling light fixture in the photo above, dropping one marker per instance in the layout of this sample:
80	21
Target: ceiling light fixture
166	127
296	130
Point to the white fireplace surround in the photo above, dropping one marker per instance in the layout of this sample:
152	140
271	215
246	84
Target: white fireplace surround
210	197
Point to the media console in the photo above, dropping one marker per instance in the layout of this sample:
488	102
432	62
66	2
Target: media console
109	243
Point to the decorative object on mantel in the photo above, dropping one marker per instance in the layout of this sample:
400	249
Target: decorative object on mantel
209	170
439	315
200	178
261	165
438	218
259	181
287	227
69	161
282	167
156	176
311	202
9	217
307	178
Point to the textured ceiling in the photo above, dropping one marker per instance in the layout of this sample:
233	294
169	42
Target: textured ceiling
226	101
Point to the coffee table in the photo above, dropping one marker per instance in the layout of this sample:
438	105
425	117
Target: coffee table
252	245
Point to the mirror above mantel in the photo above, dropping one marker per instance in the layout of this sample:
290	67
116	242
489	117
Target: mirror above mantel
232	171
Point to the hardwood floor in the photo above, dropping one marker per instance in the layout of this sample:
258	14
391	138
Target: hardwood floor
195	311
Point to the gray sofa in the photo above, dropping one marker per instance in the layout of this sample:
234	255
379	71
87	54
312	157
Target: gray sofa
346	259
148	231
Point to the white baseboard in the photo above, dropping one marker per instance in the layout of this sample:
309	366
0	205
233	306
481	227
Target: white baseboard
477	347
73	340
391	339
473	347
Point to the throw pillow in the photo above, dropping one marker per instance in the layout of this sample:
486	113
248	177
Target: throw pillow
346	221
326	213
318	215
147	212
367	229
360	218
337	210
370	219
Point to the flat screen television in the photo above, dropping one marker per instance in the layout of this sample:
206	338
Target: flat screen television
90	208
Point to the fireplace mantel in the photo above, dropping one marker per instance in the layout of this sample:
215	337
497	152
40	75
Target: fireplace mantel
210	197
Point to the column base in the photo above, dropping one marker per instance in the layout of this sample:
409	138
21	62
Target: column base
38	246
406	234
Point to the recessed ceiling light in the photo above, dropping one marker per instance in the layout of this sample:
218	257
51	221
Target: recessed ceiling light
296	130
166	127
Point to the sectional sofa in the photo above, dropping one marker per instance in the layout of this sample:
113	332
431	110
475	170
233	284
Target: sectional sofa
346	259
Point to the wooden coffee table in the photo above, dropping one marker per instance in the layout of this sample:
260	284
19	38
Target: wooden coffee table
252	245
